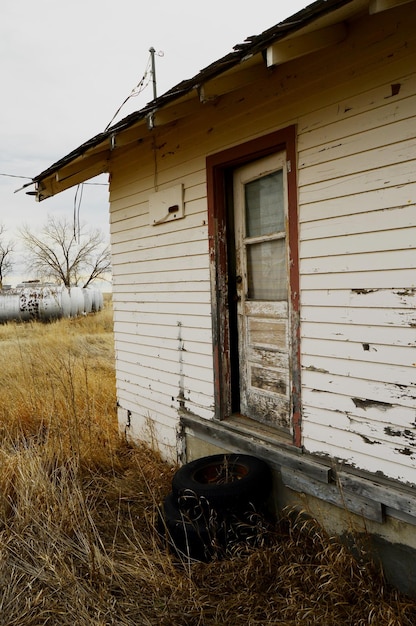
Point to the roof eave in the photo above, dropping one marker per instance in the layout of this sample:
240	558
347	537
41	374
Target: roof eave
92	157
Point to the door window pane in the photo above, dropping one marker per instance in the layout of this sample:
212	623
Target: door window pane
264	205
266	270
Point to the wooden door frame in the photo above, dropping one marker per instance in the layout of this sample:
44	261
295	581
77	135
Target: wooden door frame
218	166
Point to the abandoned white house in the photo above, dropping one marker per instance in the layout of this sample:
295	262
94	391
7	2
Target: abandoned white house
263	232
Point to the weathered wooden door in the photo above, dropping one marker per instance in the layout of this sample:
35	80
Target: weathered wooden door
260	213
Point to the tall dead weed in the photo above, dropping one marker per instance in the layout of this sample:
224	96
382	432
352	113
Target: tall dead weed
78	507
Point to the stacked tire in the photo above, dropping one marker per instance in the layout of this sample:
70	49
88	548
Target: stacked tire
216	503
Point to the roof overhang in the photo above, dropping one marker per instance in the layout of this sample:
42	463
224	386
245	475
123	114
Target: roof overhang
321	24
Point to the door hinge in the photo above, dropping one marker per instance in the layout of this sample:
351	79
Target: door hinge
289	166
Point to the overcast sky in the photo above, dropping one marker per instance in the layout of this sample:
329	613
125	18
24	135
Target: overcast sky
66	67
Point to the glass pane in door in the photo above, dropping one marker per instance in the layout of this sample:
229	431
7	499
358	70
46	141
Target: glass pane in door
266	270
264	202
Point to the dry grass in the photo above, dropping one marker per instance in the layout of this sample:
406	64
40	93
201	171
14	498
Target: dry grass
78	506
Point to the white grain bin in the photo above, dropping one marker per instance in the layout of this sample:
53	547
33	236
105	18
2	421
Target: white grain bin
9	305
77	301
28	302
47	302
87	300
100	300
65	302
97	300
50	302
43	302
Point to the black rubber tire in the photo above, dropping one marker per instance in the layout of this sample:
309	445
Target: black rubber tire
227	481
189	539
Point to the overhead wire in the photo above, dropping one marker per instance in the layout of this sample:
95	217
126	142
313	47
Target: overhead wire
77	206
137	90
141	86
16	176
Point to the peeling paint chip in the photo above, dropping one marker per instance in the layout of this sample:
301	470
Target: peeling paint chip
363	403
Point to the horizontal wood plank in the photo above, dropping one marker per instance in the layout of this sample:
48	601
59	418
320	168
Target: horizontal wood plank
400	499
384	279
355	224
361	298
359	505
388	393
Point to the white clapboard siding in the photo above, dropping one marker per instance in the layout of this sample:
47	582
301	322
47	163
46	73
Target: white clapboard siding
363	262
358	452
357	188
196	241
137	216
381	240
384	317
358	182
192	289
356	351
169	382
364	334
370	298
162	293
150	393
368	160
347	149
350	408
135	206
362	223
195	211
400	375
166	355
181	321
382	279
389	197
357	114
181	263
127	281
169	401
357	214
162	406
196	351
195	334
388	393
362	425
161	300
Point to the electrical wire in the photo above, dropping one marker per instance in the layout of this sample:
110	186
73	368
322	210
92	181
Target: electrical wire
77	207
141	86
16	176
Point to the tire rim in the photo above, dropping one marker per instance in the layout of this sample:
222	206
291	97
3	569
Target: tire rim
220	473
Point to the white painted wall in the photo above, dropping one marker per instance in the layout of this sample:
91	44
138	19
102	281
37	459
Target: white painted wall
358	278
162	305
357	190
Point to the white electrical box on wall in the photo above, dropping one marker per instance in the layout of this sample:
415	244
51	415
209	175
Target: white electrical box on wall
166	205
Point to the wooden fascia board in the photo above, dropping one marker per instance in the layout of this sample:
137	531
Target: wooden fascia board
237	78
73	174
134	134
167	114
295	47
377	6
172	112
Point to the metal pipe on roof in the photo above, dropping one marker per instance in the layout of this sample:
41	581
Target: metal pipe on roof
152	57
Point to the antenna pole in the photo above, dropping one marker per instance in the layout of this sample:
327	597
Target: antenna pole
152	56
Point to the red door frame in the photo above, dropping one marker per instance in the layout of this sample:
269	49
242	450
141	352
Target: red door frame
218	165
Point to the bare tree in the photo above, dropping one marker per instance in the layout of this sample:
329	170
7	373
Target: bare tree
6	250
65	254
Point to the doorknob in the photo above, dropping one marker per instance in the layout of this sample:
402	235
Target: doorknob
238	280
